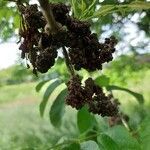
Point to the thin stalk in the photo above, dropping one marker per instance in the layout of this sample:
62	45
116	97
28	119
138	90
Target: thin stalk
74	141
67	60
125	124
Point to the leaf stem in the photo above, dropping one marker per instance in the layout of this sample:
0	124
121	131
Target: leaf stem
125	124
67	60
74	141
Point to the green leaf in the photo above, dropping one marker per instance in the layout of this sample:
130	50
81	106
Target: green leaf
104	10
40	85
123	138
76	8
74	146
58	108
92	5
81	9
89	145
138	96
139	5
89	11
17	21
144	133
107	9
85	120
47	93
83	6
107	142
102	80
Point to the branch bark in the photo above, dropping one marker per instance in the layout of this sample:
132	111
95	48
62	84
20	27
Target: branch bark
47	12
54	28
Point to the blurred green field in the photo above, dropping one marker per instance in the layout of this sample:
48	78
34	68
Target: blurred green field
22	128
10	93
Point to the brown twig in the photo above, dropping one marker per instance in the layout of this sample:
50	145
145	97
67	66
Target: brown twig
47	12
54	28
68	63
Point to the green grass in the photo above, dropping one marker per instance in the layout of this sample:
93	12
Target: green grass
9	93
21	127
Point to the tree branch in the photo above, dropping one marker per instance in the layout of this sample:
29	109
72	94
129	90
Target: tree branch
54	28
47	12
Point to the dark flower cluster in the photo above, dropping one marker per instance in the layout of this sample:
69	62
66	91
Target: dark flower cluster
76	94
91	95
39	45
46	60
92	55
84	49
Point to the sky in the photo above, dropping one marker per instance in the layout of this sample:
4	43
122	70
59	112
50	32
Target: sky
9	54
9	51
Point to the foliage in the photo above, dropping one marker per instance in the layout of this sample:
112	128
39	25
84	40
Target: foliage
106	137
15	75
18	74
84	11
47	93
92	131
9	20
127	67
84	124
58	108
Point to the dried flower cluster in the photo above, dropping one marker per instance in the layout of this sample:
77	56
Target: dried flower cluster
85	51
40	46
90	95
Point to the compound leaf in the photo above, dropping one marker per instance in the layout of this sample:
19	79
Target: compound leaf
47	94
58	108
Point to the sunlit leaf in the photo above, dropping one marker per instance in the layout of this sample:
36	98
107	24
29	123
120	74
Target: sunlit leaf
58	108
47	93
123	138
139	5
89	145
40	85
104	10
89	11
138	96
107	9
76	8
85	120
83	6
107	142
102	80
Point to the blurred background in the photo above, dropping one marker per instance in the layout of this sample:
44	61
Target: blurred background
20	121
